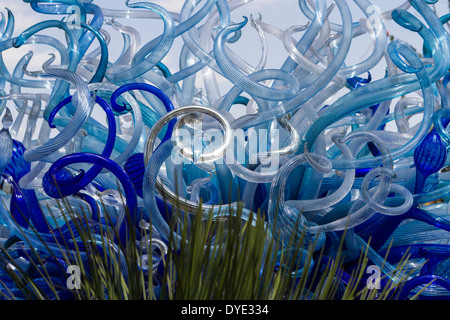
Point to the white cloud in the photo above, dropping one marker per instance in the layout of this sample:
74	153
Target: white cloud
24	16
170	5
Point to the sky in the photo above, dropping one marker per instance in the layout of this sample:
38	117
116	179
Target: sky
279	13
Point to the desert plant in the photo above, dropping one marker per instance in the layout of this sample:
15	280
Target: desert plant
208	256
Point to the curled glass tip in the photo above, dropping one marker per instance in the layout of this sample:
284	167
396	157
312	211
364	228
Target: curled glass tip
7	119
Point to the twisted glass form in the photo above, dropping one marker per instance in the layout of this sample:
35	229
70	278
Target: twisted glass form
320	144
